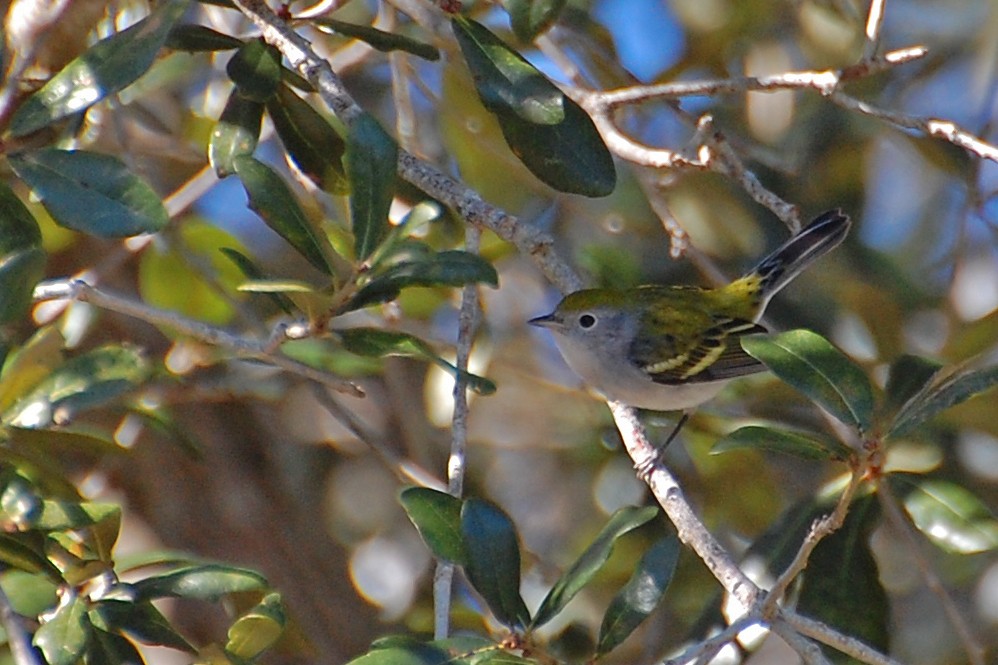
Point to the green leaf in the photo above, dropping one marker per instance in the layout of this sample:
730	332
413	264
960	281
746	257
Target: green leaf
271	198
547	131
30	594
640	596
312	143
25	368
63	639
591	561
371	162
109	649
493	563
378	343
437	517
205	582
91	192
251	270
83	382
62	441
808	446
449	268
20	271
257	630
410	654
235	134
104	69
18	228
26	552
529	18
69	515
841	585
952	517
379	39
196	38
256	70
809	363
141	621
942	395
909	375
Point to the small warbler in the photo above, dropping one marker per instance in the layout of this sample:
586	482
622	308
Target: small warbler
672	348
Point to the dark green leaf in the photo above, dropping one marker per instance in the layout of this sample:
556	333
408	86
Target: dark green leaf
450	268
206	582
63	639
256	70
91	192
194	38
529	18
84	382
945	393
909	375
952	517
437	517
257	630
26	552
312	143
841	585
415	654
493	563
377	343
110	649
104	69
591	561
809	445
235	134
809	363
371	161
379	39
640	596
141	621
549	132
18	228
270	197
253	271
20	271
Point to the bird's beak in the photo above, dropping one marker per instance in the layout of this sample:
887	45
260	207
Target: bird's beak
546	321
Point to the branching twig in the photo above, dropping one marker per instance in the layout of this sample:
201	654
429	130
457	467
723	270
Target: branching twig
844	643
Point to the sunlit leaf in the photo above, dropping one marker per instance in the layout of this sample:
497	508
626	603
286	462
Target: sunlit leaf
257	630
312	143
235	134
371	160
641	595
952	517
104	69
437	517
25	368
206	582
30	594
256	70
271	198
91	192
411	654
251	270
67	515
809	363
809	446
379	39
591	561
493	560
63	639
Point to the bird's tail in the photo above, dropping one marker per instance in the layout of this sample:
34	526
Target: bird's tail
818	238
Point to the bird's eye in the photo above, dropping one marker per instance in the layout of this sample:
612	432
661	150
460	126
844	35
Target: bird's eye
587	321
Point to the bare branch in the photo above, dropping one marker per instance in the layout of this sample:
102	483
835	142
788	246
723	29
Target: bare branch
844	643
874	22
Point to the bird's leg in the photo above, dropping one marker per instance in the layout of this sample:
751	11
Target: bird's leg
644	468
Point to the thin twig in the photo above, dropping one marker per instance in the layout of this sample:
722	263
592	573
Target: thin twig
874	23
18	637
844	643
705	650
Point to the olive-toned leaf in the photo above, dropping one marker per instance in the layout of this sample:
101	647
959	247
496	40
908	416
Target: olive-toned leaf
235	134
909	376
640	596
20	271
841	585
371	160
809	363
104	69
809	446
529	18
378	343
256	70
942	395
30	594
270	197
449	268
251	270
91	192
107	648
379	39
63	638
18	228
139	620
493	560
195	38
68	516
63	441
204	582
257	630
591	561
312	143
411	654
547	131
951	517
25	368
437	517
